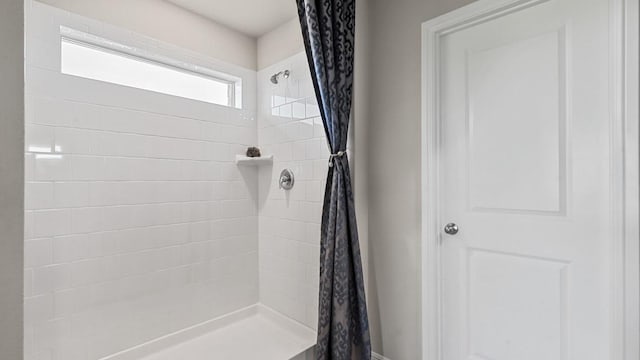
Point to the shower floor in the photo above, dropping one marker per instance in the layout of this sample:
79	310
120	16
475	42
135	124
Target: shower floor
252	333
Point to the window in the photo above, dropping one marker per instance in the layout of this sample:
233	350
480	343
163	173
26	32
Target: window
94	61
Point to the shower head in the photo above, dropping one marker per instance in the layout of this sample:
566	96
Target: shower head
275	77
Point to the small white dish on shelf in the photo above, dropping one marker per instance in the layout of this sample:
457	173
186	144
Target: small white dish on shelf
254	161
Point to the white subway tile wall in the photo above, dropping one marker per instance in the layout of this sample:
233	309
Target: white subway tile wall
138	222
290	128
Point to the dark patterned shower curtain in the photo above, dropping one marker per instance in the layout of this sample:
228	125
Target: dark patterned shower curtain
328	30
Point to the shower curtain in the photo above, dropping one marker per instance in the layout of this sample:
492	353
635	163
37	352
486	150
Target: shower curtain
328	30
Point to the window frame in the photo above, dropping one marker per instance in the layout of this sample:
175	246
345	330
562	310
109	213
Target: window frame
79	38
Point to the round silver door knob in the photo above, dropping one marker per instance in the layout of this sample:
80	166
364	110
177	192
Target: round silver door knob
451	229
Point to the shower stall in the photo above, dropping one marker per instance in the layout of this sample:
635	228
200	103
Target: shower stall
149	234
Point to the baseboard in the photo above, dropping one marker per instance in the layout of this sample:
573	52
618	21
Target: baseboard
375	356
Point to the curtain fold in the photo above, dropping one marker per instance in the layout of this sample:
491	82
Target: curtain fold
328	30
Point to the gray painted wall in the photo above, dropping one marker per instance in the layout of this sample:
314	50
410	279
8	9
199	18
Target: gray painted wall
11	177
394	172
358	137
280	43
169	23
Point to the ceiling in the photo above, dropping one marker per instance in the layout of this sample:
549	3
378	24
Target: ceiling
251	17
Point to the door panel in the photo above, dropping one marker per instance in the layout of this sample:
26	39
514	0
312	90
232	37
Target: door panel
516	90
542	296
525	173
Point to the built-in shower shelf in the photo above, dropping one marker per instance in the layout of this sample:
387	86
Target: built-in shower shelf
254	161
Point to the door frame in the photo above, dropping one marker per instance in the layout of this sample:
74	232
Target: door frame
625	194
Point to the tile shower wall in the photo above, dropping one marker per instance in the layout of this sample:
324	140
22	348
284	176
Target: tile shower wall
290	128
138	221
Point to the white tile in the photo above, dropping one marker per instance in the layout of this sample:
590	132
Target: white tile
134	240
28	282
39	195
51	167
71	301
289	225
51	332
103	193
75	141
238	208
139	192
38	309
88	167
312	108
87	272
51	278
284	151
292	90
29	167
286	111
39	139
70	248
305	129
71	194
318	128
117	217
87	220
320	169
51	223
298	150
278	100
29	225
298	110
38	252
315	191
100	244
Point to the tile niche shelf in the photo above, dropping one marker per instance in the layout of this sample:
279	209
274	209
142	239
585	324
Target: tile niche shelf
254	161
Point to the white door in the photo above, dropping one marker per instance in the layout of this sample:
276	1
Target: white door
525	175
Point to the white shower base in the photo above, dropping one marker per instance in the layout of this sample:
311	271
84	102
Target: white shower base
256	332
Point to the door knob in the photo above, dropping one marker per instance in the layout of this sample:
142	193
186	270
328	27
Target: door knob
451	229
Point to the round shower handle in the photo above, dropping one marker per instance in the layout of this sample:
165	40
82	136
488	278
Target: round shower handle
286	179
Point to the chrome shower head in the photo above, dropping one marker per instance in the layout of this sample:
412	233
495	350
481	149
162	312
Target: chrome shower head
275	77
